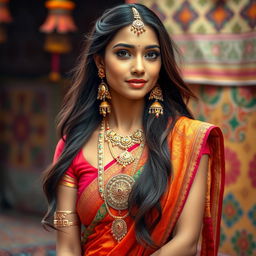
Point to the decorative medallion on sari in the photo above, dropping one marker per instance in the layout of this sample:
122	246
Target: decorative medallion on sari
186	142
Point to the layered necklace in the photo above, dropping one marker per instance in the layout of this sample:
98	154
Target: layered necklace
123	142
118	188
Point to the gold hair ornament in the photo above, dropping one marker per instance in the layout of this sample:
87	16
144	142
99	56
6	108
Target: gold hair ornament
61	221
138	26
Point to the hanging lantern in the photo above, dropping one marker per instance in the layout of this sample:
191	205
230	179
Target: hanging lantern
5	17
57	26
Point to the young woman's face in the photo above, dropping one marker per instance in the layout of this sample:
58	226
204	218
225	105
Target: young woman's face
132	63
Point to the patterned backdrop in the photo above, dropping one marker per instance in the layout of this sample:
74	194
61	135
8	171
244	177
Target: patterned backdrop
233	109
218	40
27	112
217	37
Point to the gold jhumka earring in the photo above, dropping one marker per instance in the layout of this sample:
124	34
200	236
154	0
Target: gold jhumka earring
103	94
138	26
156	107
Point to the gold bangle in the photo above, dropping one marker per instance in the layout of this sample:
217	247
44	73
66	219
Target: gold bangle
60	220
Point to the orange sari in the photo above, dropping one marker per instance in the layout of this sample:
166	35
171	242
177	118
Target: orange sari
186	142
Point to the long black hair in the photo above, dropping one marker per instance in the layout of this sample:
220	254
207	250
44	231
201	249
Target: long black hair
79	117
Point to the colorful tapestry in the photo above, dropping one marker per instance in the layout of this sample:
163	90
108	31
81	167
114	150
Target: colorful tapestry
27	138
217	38
233	109
25	126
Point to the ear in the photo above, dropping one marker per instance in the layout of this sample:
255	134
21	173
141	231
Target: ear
98	60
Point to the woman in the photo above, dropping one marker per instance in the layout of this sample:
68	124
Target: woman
133	168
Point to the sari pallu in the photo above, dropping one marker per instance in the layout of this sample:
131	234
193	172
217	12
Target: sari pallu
186	142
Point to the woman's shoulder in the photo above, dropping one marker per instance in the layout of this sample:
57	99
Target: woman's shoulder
61	143
188	129
184	123
59	147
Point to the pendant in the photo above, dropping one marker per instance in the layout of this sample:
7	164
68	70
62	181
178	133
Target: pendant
119	229
125	158
117	191
138	136
125	142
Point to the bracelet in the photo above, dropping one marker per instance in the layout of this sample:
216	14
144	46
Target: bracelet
60	220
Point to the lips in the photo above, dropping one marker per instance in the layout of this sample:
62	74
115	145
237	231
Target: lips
136	83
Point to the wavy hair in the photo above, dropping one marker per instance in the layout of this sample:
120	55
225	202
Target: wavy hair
79	117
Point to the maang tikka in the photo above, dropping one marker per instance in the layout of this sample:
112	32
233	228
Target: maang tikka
103	94
138	26
156	107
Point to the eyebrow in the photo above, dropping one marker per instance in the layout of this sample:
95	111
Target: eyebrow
132	46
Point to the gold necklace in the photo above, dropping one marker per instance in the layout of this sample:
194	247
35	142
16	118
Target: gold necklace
123	142
118	189
124	158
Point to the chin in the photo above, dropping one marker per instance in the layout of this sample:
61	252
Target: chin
136	95
131	94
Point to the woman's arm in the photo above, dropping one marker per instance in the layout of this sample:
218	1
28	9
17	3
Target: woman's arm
68	238
188	227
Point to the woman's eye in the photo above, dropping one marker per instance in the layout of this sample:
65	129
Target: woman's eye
123	54
152	55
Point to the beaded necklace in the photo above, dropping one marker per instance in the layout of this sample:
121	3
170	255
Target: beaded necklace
117	189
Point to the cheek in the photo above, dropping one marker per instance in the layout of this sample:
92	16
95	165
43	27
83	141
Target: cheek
114	70
155	71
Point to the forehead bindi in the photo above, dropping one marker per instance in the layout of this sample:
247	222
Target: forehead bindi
126	36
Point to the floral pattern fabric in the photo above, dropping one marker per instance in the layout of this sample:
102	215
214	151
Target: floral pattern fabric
233	109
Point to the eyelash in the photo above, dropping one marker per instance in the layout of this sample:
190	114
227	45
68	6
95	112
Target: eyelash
121	52
157	54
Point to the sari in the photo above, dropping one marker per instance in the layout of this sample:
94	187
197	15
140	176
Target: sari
186	142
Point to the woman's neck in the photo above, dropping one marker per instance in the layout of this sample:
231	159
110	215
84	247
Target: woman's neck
126	115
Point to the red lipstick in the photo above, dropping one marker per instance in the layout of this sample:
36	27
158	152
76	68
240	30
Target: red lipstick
136	83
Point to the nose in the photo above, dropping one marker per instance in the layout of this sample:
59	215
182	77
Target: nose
138	66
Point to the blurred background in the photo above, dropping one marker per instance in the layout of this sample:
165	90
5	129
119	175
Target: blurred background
39	44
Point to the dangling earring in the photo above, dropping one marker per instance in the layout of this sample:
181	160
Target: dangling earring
103	94
156	108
